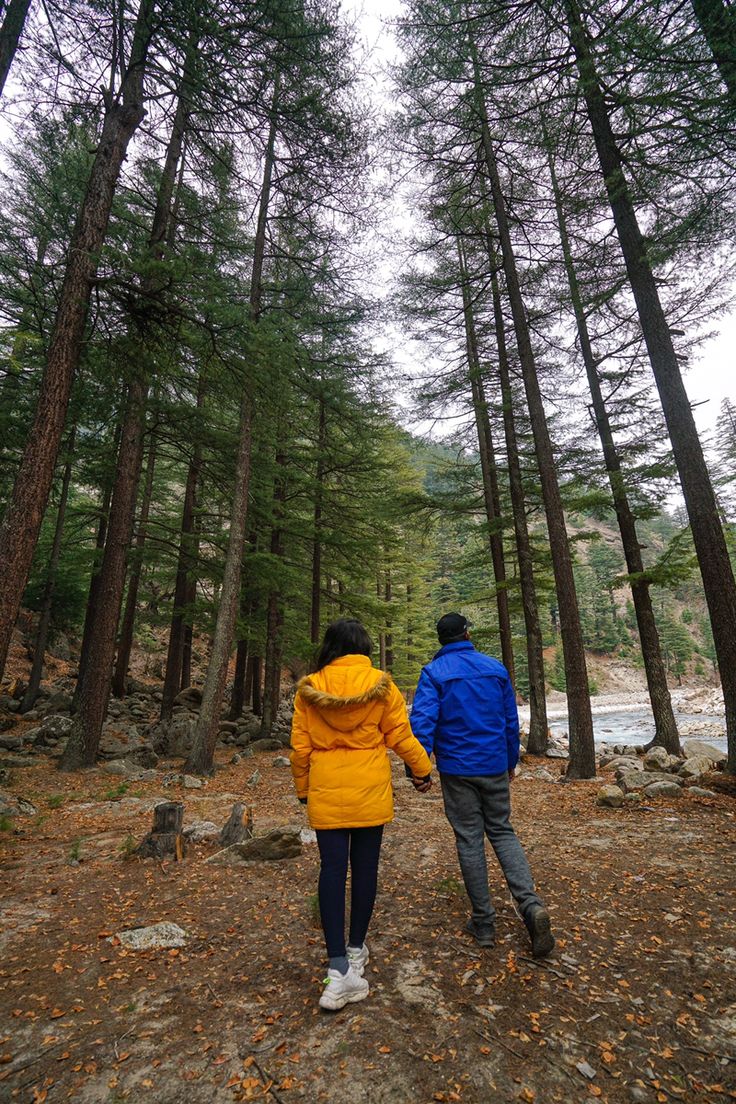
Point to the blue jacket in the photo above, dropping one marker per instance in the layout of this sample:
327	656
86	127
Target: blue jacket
465	712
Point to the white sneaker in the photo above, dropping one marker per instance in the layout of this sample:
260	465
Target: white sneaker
341	989
358	958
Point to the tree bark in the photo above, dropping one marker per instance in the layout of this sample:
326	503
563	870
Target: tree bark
700	500
256	666
10	32
125	644
489	473
42	636
185	563
538	725
201	758
315	607
666	734
717	21
86	731
275	609
582	747
23	517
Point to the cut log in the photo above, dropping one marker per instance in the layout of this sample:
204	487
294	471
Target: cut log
165	840
239	826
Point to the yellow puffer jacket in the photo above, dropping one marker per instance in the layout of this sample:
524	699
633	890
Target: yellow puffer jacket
346	716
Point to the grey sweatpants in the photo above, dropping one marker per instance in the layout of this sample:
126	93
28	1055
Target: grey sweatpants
476	808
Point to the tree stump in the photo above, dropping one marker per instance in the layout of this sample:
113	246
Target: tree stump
239	826
165	840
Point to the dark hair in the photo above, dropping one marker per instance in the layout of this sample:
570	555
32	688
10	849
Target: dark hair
344	637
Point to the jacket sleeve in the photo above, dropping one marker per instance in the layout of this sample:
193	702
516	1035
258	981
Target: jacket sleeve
425	712
399	737
512	723
301	745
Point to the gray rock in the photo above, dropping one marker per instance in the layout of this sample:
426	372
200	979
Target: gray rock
555	752
60	647
201	830
56	725
10	743
191	783
638	779
255	778
235	759
227	726
281	843
153	937
696	766
633	797
611	797
698	747
663	789
281	761
59	702
173	738
622	762
698	791
266	744
8	762
122	768
191	697
658	759
11	806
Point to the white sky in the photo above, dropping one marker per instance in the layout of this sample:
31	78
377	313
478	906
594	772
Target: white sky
712	375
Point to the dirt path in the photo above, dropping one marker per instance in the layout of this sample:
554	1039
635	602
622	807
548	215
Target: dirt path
637	1003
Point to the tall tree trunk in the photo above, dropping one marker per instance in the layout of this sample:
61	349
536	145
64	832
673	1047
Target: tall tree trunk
717	21
489	473
700	500
582	746
389	638
201	757
125	644
538	725
10	31
42	635
314	614
93	596
666	733
381	635
256	672
185	563
86	730
22	520
275	608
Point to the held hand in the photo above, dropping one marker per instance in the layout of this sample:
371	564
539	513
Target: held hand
422	785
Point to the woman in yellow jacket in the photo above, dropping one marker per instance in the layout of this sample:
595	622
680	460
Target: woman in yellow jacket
346	716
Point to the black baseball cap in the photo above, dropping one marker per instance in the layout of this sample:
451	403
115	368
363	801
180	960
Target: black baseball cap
452	627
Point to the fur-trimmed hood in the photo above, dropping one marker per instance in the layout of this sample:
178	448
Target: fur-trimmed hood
322	699
346	691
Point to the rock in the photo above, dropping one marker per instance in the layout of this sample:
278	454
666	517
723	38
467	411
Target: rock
55	726
235	759
524	737
8	762
695	767
10	743
633	797
695	748
266	744
639	779
281	843
307	835
11	806
663	789
151	938
697	791
61	648
255	778
122	768
174	737
201	830
556	752
143	756
611	797
59	702
227	726
586	1069
191	783
191	697
281	761
659	759
622	762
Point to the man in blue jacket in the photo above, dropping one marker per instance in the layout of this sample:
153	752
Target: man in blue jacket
465	712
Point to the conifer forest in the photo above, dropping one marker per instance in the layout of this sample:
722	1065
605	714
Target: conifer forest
312	310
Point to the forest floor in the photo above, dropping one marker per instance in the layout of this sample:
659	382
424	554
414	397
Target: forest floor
635	1004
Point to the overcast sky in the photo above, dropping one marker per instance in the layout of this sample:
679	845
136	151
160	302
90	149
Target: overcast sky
712	375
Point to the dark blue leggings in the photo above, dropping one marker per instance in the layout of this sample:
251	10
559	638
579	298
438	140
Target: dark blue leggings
363	846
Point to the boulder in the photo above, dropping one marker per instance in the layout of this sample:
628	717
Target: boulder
60	647
11	806
7	762
142	756
175	737
266	744
119	739
191	783
201	831
281	843
281	761
698	791
11	743
54	726
659	759
640	779
151	938
611	797
695	767
622	762
695	748
122	768
191	697
58	702
227	726
665	788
